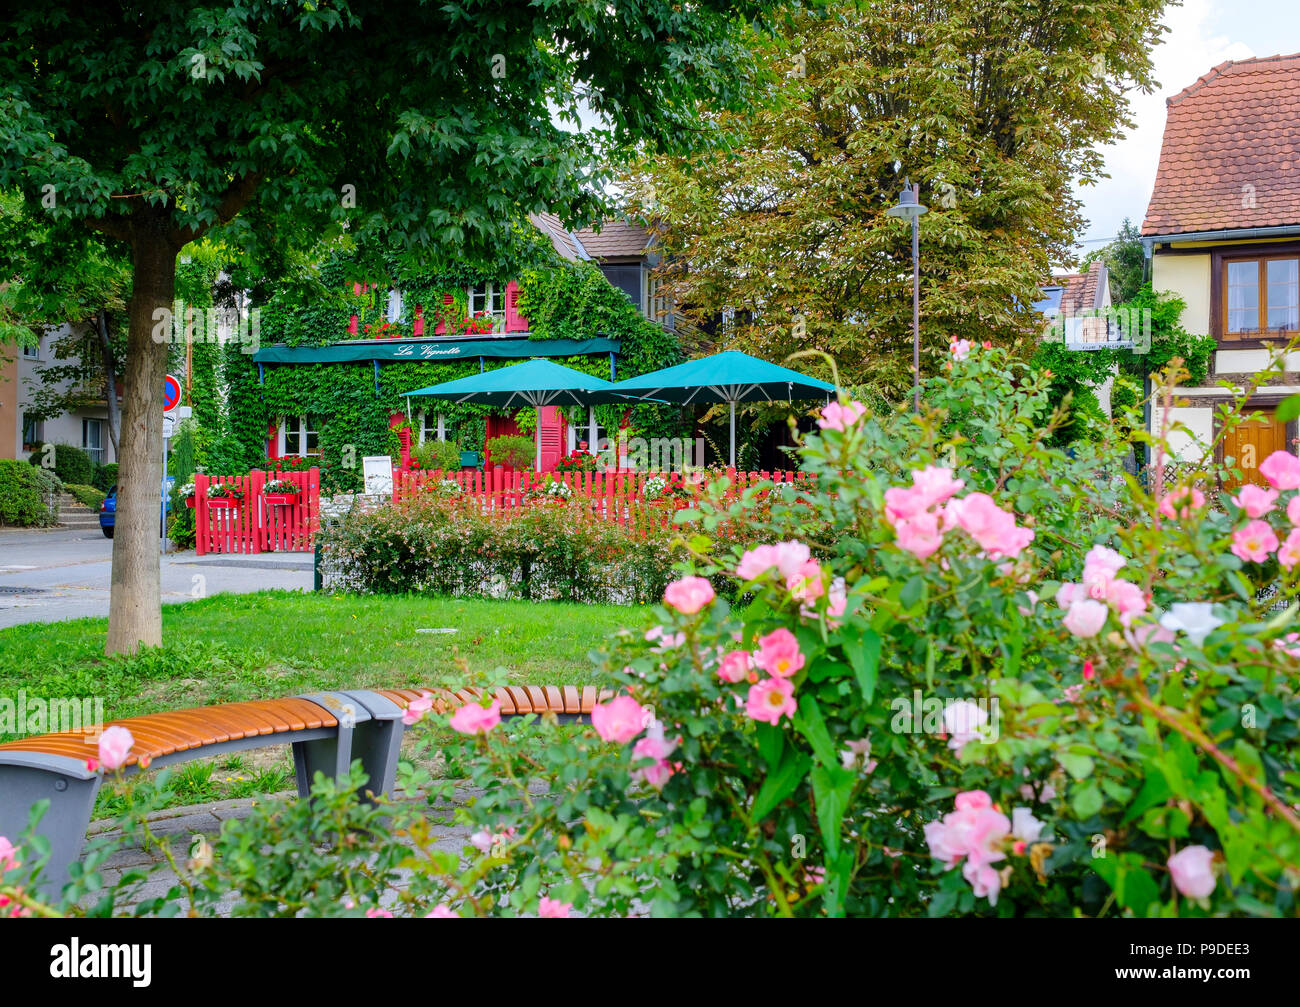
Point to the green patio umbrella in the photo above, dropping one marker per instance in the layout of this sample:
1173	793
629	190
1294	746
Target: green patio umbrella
729	377
532	383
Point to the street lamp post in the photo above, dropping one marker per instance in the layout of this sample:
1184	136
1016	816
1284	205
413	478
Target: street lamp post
909	207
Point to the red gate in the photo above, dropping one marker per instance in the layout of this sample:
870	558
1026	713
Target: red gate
249	520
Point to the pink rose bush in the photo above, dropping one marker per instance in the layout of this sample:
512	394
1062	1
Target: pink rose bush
921	513
877	668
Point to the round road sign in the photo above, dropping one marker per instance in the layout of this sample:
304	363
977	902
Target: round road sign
171	393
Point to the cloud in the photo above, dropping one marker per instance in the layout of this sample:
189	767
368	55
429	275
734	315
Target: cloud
1189	49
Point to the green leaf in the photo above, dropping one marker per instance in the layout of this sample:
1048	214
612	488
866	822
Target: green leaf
810	724
771	742
1289	409
865	659
832	791
1087	800
780	785
1077	766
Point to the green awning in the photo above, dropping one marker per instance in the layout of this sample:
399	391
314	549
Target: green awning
433	348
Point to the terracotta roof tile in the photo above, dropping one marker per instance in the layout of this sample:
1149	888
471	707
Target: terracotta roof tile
1231	149
1080	291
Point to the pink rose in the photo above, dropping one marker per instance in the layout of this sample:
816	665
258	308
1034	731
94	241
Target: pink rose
735	666
1289	553
840	417
936	485
1127	599
688	595
1085	618
1181	502
903	503
114	747
654	746
984	880
1254	542
553	909
779	653
417	708
920	535
8	855
1293	510
442	913
1282	470
475	719
805	584
1192	867
790	558
975	832
988	524
756	562
770	700
1100	567
963	721
960	348
972	800
620	720
1255	500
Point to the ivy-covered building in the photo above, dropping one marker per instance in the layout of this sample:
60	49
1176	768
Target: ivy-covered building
336	353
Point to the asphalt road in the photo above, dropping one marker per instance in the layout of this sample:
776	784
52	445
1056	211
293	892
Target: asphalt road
65	574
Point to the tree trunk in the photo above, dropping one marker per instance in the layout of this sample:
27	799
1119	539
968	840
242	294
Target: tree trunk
110	384
134	611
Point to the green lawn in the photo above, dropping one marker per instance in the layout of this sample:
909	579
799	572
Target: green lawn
280	643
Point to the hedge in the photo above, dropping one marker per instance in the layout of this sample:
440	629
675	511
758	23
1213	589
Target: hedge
71	464
21	502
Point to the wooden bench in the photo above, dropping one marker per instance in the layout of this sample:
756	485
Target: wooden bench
327	731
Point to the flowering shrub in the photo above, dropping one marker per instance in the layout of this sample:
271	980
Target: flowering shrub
549	488
977	676
445	545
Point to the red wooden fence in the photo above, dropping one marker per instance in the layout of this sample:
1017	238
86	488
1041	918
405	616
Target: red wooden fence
251	523
617	496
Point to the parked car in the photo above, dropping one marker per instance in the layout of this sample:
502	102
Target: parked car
108	509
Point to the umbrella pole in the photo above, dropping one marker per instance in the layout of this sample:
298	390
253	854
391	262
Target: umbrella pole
537	428
733	434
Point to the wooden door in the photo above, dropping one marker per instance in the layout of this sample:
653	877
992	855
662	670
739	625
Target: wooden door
1252	442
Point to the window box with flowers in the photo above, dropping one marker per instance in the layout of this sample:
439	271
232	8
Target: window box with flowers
549	490
280	492
225	496
186	493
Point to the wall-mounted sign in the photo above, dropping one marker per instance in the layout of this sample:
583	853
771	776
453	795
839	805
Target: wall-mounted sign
377	472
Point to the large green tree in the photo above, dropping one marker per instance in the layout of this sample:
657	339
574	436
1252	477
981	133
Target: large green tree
154	122
995	107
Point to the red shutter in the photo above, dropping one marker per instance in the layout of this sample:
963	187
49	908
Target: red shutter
418	328
552	423
515	322
441	328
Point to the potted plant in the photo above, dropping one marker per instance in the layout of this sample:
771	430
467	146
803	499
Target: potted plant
186	493
224	496
281	492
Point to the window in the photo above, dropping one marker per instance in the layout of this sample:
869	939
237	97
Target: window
489	298
32	352
33	432
660	304
300	435
92	432
628	279
432	427
1261	297
590	431
394	305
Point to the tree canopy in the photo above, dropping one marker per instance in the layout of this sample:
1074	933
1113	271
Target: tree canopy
995	107
153	122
